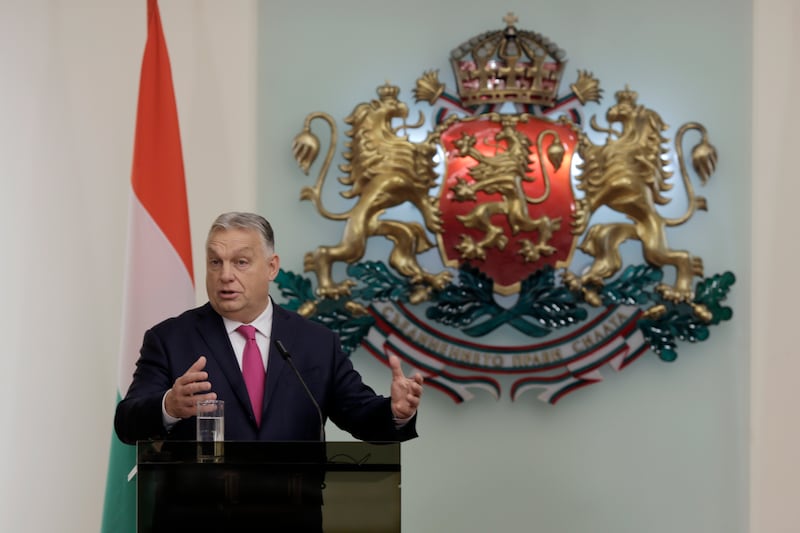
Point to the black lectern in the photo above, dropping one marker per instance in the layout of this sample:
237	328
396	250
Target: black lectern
328	487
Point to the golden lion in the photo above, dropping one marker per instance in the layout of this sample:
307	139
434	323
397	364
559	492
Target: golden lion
503	174
628	175
384	170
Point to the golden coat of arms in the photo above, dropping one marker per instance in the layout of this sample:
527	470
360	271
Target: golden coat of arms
485	211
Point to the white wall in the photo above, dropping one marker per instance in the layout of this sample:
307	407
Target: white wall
68	92
775	432
656	448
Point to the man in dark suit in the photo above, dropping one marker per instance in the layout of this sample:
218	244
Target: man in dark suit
200	355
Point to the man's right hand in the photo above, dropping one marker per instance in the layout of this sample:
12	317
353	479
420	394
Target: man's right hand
193	386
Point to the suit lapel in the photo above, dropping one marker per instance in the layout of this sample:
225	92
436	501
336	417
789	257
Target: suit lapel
277	367
212	330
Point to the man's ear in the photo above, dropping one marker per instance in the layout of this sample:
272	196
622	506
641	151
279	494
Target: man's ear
274	266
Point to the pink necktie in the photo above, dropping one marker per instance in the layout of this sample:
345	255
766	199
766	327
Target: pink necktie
253	370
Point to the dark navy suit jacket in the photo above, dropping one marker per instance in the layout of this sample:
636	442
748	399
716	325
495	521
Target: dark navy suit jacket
171	347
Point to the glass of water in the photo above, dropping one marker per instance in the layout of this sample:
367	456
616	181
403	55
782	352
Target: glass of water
210	429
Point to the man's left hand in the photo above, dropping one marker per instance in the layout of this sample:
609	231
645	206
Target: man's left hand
406	392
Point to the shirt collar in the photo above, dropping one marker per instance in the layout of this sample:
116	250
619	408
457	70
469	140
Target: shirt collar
262	323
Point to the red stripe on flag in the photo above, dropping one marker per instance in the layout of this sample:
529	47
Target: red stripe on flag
157	181
157	176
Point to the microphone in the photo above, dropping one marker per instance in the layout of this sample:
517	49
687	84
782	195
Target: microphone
288	358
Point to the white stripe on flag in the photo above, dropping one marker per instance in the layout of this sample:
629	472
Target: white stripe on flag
157	286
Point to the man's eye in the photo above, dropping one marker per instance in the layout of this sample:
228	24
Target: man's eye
242	262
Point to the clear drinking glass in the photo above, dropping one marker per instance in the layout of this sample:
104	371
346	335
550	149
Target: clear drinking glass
210	429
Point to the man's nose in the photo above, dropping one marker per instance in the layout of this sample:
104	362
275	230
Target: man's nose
226	272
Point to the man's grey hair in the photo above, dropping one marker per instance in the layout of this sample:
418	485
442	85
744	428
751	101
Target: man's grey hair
250	221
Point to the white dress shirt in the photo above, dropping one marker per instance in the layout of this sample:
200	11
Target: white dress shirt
263	325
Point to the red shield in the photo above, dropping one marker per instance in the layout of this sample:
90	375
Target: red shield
507	202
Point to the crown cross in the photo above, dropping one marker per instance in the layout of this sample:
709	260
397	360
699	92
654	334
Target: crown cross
510	19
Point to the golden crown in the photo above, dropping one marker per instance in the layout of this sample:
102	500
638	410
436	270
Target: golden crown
388	91
626	96
508	66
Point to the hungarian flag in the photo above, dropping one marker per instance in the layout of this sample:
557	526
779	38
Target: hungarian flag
159	281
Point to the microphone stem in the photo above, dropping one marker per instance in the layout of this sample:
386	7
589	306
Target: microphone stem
288	358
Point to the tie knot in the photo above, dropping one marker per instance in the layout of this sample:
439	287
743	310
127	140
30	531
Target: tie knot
249	332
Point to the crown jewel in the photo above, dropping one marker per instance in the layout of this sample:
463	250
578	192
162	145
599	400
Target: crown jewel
508	66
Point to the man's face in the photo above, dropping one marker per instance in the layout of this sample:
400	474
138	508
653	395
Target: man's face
238	272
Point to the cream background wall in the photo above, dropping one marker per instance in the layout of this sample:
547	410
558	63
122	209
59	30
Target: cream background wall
705	444
69	87
774	432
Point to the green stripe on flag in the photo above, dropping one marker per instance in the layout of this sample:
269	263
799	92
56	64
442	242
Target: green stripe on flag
119	510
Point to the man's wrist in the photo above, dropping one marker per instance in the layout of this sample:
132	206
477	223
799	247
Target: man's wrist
400	422
167	419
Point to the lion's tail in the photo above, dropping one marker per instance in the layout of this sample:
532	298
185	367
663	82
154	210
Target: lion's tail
704	162
305	149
